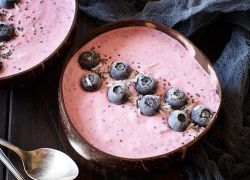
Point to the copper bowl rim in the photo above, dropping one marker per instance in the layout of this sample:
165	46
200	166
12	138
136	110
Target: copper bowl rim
168	31
52	54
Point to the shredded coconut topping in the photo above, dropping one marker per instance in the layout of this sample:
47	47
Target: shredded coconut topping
88	82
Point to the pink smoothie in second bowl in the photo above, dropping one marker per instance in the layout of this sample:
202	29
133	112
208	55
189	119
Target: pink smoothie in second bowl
40	28
121	130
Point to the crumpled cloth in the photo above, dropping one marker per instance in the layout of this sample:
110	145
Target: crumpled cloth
225	153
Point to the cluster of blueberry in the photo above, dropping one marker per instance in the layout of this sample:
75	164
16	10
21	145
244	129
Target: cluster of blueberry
6	30
90	81
145	85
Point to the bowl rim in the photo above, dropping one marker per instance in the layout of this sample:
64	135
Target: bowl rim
169	31
50	57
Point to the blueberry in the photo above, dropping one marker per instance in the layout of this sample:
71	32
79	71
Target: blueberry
118	93
201	115
145	84
91	82
88	59
149	105
8	3
6	32
176	98
120	70
178	120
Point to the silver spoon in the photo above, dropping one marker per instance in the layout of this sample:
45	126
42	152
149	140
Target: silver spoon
45	163
10	166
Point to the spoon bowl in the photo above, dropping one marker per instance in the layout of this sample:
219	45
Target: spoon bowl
48	163
45	163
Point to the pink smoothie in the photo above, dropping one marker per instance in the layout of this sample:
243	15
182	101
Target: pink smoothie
40	28
121	130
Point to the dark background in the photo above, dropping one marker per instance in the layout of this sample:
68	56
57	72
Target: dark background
29	116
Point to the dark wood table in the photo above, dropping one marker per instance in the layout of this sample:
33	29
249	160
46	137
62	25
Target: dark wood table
29	116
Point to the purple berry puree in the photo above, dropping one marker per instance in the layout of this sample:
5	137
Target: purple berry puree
40	28
121	130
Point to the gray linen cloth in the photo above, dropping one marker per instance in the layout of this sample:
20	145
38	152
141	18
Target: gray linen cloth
225	153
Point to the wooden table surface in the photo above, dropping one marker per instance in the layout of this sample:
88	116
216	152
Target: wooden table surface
29	116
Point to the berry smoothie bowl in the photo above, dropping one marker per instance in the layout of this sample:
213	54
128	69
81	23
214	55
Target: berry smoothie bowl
137	95
33	34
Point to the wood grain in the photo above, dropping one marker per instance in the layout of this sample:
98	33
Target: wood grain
3	122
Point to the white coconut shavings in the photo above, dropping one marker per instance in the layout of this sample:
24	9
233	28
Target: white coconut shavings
18	32
133	75
8	16
174	96
33	28
158	97
152	65
162	112
192	131
2	22
89	58
141	71
166	107
133	100
17	7
110	84
190	106
88	81
191	125
139	111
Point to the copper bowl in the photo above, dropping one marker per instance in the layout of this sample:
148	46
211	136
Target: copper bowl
27	76
89	152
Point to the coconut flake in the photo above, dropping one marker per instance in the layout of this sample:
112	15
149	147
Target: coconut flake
110	84
17	7
158	97
190	106
127	82
2	22
174	96
133	75
162	112
133	99
191	125
18	32
33	28
89	58
166	107
88	81
152	65
139	111
141	71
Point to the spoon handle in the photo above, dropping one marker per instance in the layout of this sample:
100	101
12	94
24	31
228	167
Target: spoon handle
11	147
10	166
